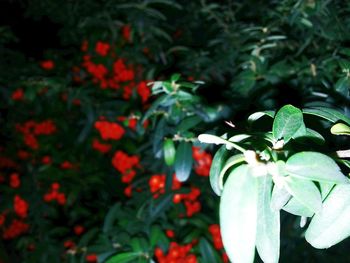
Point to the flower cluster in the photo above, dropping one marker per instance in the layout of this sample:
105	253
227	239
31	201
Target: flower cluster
125	165
101	147
20	206
119	76
15	181
176	253
109	130
190	200
202	161
54	194
31	129
18	94
214	230
15	229
157	184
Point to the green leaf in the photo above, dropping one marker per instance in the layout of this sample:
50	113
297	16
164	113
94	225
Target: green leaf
314	166
209	138
340	129
188	123
238	215
268	225
280	196
257	115
305	191
286	123
294	207
325	189
328	114
331	225
183	161
215	169
111	216
169	151
208	253
232	161
125	257
175	77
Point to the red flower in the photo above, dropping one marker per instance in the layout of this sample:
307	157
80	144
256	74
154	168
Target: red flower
44	128
18	94
109	130
46	160
2	219
69	244
15	182
20	206
16	228
78	230
47	64
123	163
102	48
91	258
144	91
203	161
216	234
101	147
126	30
67	165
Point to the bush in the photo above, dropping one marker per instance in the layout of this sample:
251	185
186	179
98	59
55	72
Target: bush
100	160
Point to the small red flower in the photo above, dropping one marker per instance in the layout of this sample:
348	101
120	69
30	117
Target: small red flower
18	94
109	130
20	206
126	32
78	230
15	182
101	147
47	64
144	91
91	258
102	48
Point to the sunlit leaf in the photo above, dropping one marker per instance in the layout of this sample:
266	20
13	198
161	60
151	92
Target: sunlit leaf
238	215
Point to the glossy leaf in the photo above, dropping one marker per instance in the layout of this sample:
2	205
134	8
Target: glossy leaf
280	196
125	257
268	225
306	192
215	169
232	161
314	166
328	114
294	207
287	122
183	161
238	215
257	115
331	225
340	129
169	151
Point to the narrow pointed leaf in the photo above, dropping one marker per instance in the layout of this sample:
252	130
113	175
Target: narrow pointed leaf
331	225
306	192
314	166
215	169
328	114
268	225
183	161
287	122
238	215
